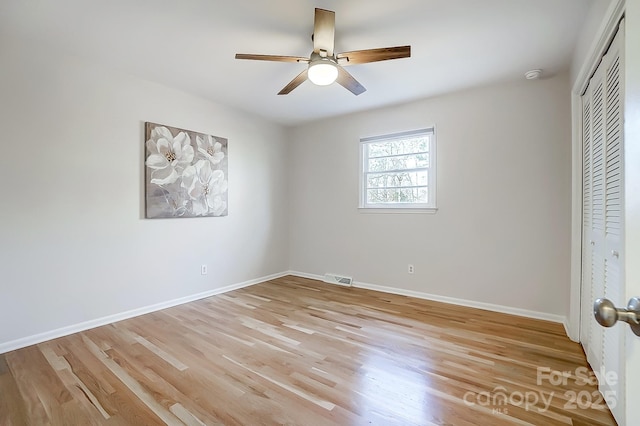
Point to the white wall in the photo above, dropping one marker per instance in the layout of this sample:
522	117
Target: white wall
502	232
632	198
74	244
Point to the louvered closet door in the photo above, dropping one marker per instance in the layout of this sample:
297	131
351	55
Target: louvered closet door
594	225
602	256
587	241
613	347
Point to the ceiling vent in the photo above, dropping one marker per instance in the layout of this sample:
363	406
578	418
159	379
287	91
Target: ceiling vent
338	280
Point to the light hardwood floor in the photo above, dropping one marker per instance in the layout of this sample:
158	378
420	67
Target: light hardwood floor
298	351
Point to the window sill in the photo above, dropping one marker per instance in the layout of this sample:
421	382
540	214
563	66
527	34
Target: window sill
397	210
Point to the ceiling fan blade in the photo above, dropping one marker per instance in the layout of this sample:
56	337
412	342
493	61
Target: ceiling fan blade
347	81
300	78
275	58
373	55
324	28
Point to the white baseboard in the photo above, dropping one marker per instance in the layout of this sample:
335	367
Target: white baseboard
306	275
75	328
452	300
567	329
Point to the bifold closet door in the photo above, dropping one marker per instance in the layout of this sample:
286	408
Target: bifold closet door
602	232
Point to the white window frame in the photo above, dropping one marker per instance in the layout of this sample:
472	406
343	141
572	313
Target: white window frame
429	206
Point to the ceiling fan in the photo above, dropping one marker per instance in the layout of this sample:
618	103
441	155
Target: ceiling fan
325	66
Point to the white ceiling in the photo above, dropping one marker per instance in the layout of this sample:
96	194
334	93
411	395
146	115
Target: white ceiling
190	45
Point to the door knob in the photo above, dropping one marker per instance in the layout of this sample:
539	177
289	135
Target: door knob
607	314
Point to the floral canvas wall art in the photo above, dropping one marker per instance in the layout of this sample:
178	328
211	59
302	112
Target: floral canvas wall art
186	173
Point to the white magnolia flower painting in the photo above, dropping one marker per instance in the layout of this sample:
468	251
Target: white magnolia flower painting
186	173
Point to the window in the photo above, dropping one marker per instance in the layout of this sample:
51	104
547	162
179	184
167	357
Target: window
398	171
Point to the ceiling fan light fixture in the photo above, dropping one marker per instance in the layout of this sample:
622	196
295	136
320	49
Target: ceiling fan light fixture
322	72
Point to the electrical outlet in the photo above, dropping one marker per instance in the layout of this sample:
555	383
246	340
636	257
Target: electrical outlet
410	269
204	270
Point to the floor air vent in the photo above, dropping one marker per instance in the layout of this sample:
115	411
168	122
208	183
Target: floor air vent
338	279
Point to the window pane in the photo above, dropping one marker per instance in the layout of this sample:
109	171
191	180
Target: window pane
399	179
399	146
412	161
399	195
398	170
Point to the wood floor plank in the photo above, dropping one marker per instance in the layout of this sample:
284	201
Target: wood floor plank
298	351
12	407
